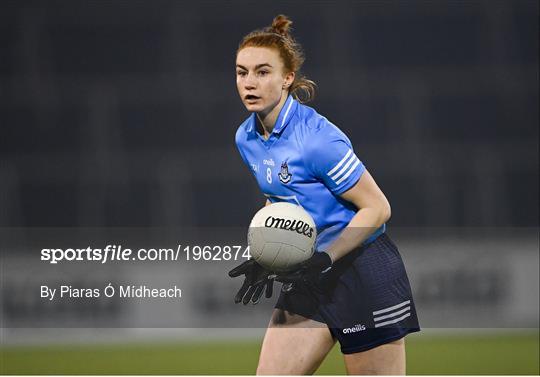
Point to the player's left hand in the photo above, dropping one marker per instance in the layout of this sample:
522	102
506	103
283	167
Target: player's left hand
309	271
255	283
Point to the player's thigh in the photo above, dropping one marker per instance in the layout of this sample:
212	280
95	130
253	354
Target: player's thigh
386	359
293	344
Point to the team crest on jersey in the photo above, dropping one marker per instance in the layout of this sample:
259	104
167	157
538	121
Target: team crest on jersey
284	175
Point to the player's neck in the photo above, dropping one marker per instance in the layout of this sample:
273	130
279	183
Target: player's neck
268	121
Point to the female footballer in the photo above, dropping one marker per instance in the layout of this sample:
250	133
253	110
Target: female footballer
354	289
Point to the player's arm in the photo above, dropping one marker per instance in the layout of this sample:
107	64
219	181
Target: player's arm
333	160
373	211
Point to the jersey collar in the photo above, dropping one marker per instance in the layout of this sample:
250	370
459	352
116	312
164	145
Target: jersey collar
283	119
285	115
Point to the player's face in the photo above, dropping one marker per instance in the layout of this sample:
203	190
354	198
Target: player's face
260	78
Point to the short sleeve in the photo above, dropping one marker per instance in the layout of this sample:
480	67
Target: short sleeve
333	161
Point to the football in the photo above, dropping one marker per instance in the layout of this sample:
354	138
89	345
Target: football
281	236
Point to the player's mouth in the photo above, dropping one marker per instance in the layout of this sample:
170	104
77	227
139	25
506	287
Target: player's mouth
250	98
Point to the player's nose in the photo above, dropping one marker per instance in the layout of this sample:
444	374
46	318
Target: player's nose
251	82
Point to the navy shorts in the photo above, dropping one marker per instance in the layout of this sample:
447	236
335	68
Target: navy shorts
365	299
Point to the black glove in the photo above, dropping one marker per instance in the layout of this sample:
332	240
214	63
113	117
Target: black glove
309	272
255	282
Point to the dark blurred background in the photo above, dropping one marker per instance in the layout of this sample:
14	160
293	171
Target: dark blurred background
123	113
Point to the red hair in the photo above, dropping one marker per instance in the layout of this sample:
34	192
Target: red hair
278	36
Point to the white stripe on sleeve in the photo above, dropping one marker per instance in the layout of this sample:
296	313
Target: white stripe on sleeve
335	168
344	168
349	172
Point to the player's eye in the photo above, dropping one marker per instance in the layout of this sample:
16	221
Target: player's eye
263	73
241	73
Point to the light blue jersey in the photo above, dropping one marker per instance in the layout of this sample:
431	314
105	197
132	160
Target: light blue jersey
306	161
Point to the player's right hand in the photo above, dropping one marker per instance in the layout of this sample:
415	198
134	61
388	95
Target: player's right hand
309	273
256	281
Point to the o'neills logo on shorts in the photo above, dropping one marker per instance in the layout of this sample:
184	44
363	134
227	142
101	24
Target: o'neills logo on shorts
356	328
297	226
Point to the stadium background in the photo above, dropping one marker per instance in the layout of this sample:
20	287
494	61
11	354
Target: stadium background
122	114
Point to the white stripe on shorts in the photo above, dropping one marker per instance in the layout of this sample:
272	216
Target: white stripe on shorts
389	309
392	321
407	308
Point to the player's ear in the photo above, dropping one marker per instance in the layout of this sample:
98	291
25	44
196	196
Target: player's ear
288	80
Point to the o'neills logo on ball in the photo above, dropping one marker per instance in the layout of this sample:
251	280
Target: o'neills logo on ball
297	226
